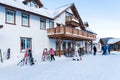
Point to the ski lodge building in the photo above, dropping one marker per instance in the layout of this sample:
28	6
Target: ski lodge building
27	24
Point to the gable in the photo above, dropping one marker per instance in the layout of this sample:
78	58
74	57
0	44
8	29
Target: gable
69	10
74	11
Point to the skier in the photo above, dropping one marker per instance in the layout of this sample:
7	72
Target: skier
107	49
47	55
26	56
52	52
44	54
31	60
80	52
95	50
76	55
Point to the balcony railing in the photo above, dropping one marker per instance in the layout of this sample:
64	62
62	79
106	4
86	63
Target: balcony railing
71	20
72	32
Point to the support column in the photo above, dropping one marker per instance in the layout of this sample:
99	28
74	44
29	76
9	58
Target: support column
59	44
91	46
86	47
73	43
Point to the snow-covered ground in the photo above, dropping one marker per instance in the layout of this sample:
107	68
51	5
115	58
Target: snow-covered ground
99	67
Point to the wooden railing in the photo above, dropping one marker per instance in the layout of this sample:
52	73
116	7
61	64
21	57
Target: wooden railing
70	31
72	18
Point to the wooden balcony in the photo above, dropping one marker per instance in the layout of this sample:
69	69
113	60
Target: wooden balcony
68	33
72	21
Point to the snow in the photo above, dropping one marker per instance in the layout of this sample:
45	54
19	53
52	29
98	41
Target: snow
112	41
20	5
99	67
75	20
40	11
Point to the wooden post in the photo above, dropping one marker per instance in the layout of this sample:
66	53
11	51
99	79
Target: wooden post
73	43
91	45
86	47
59	43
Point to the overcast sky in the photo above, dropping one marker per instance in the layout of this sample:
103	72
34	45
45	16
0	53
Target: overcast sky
103	16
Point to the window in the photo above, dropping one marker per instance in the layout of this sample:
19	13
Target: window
33	4
51	24
68	14
42	23
69	44
64	46
26	43
25	20
10	16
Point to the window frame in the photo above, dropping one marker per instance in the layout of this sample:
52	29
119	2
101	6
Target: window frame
43	20
50	21
22	50
70	14
28	25
14	17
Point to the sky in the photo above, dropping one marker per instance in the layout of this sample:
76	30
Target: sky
103	16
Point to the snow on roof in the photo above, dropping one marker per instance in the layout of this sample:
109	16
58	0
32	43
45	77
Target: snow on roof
59	10
113	41
40	11
88	29
18	4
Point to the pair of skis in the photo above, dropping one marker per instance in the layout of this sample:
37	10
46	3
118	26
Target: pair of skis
1	59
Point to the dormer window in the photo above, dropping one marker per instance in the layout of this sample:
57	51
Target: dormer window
33	4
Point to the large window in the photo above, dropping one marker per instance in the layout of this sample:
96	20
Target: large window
51	24
10	16
26	43
42	23
25	20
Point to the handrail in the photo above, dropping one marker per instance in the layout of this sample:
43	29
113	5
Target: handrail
70	31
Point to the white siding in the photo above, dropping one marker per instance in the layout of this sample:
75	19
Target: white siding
10	34
69	10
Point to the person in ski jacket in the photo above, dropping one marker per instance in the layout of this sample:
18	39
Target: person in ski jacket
107	49
26	56
95	50
76	55
44	54
31	59
52	52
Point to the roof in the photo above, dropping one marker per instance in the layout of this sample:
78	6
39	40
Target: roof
18	4
53	14
60	10
57	12
40	11
89	30
113	41
104	41
37	1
